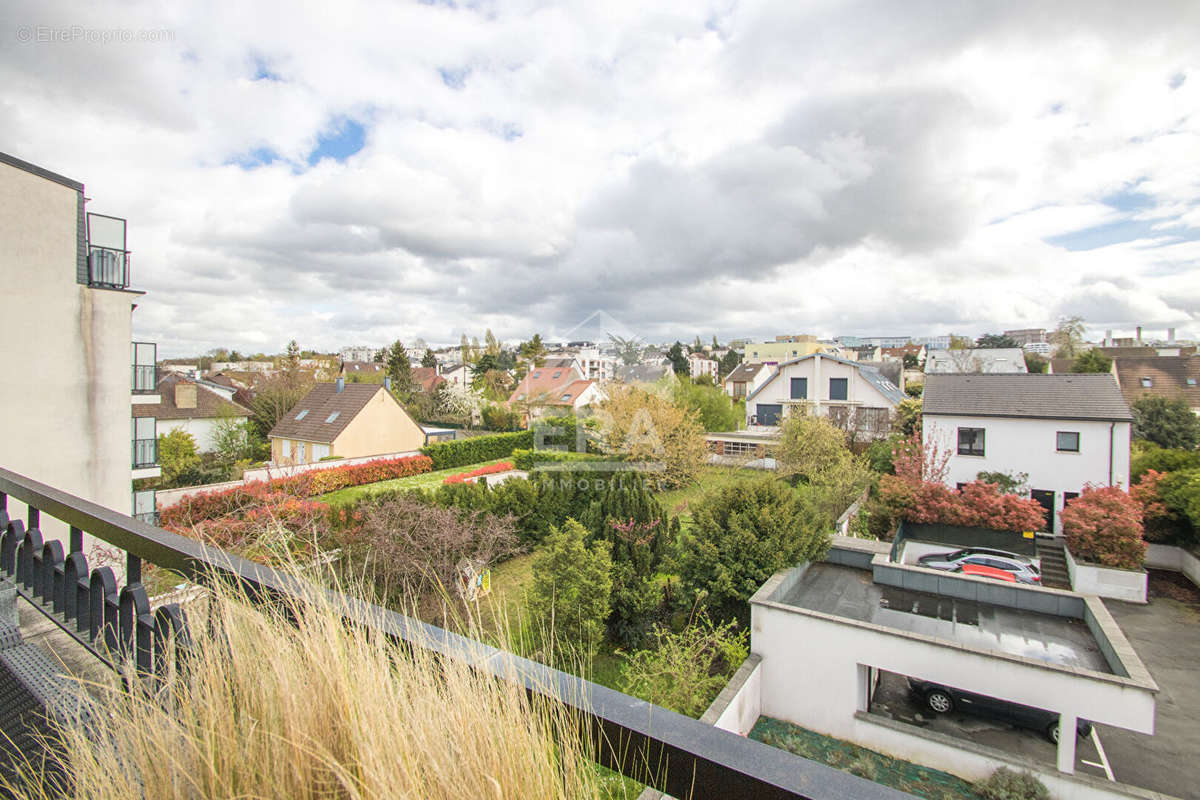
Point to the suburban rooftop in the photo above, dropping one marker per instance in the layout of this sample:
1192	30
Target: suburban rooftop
1087	396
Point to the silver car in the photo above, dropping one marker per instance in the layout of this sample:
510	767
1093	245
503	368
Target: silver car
1021	567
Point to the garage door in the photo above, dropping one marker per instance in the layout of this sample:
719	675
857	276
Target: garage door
769	414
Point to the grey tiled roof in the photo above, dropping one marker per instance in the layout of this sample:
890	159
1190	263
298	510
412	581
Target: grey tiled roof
320	403
1088	396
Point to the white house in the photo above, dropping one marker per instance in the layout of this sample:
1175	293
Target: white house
700	364
987	361
1064	431
854	396
745	379
459	375
194	407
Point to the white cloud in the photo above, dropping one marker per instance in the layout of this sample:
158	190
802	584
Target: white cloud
739	168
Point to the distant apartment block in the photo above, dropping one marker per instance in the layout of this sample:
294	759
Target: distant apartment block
1027	336
68	312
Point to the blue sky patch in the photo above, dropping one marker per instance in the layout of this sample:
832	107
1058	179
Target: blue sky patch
263	71
1126	230
339	141
1129	200
455	78
258	157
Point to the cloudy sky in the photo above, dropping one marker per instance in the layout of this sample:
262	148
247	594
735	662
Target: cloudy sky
354	172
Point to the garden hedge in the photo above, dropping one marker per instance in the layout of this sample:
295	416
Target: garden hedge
460	452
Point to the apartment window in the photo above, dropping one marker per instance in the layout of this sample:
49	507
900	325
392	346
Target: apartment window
839	388
970	441
1067	441
1147	383
799	388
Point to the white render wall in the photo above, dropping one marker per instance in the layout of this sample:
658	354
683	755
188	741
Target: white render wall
1030	445
818	371
65	420
202	430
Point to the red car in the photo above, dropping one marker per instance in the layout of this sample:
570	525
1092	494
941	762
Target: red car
988	572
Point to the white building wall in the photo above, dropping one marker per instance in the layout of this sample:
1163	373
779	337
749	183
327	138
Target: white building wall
202	430
66	422
1029	445
818	371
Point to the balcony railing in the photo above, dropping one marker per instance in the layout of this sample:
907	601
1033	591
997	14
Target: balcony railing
145	379
108	268
145	453
671	752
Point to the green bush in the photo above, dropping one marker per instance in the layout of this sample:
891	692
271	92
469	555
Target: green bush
1148	456
528	459
1007	784
571	587
686	670
461	452
742	535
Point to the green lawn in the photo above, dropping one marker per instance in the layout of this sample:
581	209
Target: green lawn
425	482
711	479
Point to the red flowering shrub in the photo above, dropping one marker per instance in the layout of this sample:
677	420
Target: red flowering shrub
461	477
979	505
1104	526
212	505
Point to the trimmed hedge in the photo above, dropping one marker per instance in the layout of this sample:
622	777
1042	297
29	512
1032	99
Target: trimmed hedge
528	459
460	452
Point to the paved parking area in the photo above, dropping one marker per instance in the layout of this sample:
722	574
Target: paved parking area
1166	635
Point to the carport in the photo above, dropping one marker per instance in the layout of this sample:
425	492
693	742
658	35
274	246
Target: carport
824	632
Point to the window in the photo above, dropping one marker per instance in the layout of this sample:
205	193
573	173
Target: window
566	396
839	388
799	388
1067	441
1147	383
302	415
557	373
333	416
1191	381
970	441
537	375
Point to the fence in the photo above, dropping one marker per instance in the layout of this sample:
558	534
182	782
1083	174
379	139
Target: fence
670	752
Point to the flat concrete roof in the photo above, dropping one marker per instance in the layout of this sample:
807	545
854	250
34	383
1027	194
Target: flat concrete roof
851	593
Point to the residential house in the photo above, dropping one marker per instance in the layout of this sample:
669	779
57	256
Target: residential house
866	352
855	397
1063	431
459	375
363	371
700	364
574	397
782	349
745	380
350	420
541	387
193	407
427	378
642	373
917	351
68	308
1172	377
595	365
981	361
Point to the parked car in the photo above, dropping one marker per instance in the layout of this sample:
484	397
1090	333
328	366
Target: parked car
981	571
1022	568
941	699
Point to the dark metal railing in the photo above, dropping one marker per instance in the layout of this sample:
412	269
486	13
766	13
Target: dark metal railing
671	752
145	379
145	453
108	268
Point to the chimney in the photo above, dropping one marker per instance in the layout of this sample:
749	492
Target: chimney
185	395
387	384
341	384
1108	338
1139	334
1170	335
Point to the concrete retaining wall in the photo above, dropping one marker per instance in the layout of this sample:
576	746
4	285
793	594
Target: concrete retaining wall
1166	556
1118	584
